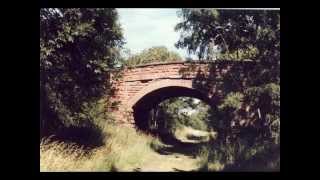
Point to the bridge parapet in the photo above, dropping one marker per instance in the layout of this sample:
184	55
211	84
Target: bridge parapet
172	70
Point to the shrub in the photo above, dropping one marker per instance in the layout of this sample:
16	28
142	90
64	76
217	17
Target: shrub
240	156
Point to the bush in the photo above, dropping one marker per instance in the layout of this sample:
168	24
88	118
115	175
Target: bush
232	100
78	47
87	130
240	156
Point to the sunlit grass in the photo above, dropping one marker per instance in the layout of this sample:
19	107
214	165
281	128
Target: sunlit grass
124	147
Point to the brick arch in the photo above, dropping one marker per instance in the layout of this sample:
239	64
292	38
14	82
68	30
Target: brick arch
158	92
157	84
139	81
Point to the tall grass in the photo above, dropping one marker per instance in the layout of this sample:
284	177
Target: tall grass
61	156
240	157
124	148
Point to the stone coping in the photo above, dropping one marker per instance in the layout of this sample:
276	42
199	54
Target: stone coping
185	62
191	62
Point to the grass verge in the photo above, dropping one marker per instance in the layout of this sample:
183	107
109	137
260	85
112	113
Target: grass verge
123	148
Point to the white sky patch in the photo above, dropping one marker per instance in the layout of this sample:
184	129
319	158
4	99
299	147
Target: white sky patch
148	27
188	111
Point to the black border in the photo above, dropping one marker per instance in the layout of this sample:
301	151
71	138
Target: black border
162	4
28	85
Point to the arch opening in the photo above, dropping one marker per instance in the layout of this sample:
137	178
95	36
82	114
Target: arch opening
150	101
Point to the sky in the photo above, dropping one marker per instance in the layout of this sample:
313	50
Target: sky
145	28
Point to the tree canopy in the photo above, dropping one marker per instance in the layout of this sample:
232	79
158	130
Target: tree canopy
152	55
77	48
239	35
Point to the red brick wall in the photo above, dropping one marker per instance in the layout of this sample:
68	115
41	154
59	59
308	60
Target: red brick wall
140	80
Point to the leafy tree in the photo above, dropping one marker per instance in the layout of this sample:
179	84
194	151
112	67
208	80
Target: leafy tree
151	55
231	31
245	33
251	113
239	34
77	49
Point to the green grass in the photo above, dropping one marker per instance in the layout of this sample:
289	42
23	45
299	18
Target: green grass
124	148
239	157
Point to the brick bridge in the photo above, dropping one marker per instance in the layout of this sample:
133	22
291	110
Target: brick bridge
143	87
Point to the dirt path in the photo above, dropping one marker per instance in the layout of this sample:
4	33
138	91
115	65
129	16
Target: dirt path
169	159
169	163
173	158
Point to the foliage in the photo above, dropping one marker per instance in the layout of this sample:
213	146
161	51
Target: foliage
253	114
248	140
250	34
239	157
266	99
172	114
96	112
151	55
77	49
232	100
232	30
248	114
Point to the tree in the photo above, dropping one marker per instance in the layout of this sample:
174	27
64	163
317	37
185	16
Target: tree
173	114
240	35
249	31
77	49
151	55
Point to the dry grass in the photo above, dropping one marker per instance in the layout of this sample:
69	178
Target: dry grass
124	147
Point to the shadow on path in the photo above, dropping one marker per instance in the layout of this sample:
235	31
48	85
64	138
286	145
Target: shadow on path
172	156
175	146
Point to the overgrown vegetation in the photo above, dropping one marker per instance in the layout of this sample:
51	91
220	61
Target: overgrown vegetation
247	118
123	149
239	156
78	48
175	113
